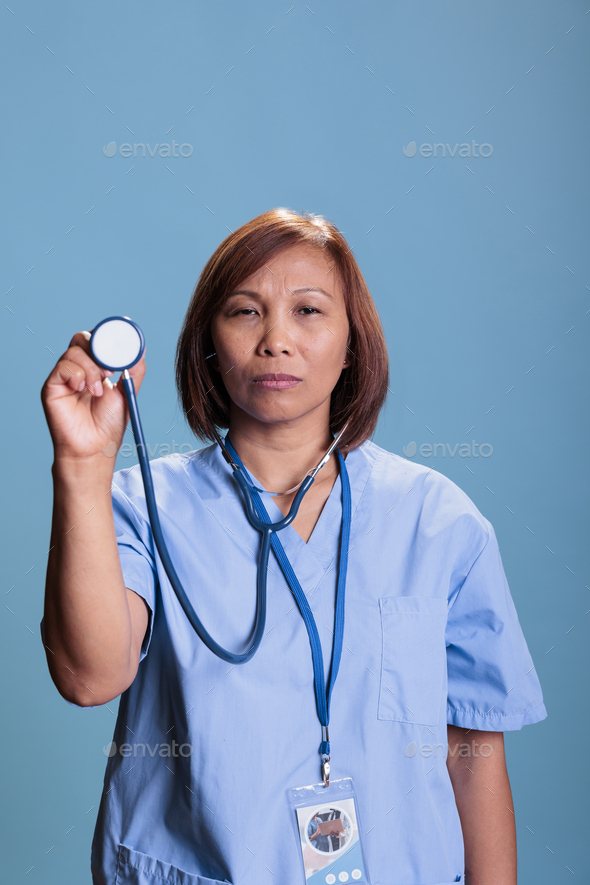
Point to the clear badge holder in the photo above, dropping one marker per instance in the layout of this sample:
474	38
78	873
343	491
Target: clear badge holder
328	832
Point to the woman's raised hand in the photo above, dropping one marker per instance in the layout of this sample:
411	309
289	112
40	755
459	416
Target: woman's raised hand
86	413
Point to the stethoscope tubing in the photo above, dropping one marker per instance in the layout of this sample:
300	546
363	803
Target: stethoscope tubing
266	530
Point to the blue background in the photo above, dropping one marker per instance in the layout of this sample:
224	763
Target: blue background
480	272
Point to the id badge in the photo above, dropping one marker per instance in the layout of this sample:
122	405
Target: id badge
328	831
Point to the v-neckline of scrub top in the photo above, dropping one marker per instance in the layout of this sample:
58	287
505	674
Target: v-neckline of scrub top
330	518
323	541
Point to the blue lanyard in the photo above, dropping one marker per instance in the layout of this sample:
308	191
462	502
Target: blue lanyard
322	699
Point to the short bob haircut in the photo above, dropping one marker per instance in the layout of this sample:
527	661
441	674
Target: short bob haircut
361	390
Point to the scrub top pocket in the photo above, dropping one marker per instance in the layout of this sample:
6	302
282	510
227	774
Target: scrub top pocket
136	868
413	659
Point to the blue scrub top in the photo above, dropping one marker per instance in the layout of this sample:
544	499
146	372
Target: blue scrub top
198	794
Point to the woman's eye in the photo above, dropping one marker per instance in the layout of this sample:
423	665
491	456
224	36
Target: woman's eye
248	311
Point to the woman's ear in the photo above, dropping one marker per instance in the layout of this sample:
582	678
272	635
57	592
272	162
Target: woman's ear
346	358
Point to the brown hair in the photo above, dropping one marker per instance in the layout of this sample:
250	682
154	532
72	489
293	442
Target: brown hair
361	389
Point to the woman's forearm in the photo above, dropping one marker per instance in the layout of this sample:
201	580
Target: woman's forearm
87	623
484	802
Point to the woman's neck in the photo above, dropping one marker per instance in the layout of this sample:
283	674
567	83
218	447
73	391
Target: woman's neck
280	455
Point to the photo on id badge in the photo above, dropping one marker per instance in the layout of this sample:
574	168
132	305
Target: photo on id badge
330	843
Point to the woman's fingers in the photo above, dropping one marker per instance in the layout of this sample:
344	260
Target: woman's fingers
79	352
80	428
78	371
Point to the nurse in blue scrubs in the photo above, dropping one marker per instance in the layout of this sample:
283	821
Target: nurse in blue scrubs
281	346
315	836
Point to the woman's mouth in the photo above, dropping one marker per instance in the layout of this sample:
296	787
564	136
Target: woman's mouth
276	381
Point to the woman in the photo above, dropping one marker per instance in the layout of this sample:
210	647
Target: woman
282	345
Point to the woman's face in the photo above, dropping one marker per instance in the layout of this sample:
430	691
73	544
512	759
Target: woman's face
287	319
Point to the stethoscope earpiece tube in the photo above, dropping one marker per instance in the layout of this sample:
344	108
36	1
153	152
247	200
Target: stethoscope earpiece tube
266	530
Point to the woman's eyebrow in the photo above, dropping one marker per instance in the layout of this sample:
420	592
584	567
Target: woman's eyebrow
299	291
310	289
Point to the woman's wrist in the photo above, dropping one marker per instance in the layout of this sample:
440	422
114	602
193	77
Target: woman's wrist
92	471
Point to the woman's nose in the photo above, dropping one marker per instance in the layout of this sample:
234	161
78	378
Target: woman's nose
276	337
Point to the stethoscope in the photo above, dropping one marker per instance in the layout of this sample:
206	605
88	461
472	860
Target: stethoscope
117	343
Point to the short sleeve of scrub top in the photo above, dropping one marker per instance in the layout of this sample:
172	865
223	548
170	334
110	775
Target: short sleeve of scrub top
196	791
492	685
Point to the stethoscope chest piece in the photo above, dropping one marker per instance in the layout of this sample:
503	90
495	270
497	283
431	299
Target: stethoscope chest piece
117	343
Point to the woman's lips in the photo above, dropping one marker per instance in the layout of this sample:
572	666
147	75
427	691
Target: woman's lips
276	381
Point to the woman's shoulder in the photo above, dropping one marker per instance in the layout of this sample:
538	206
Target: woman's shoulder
166	470
436	497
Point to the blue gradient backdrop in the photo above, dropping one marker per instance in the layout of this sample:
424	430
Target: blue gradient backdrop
479	268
